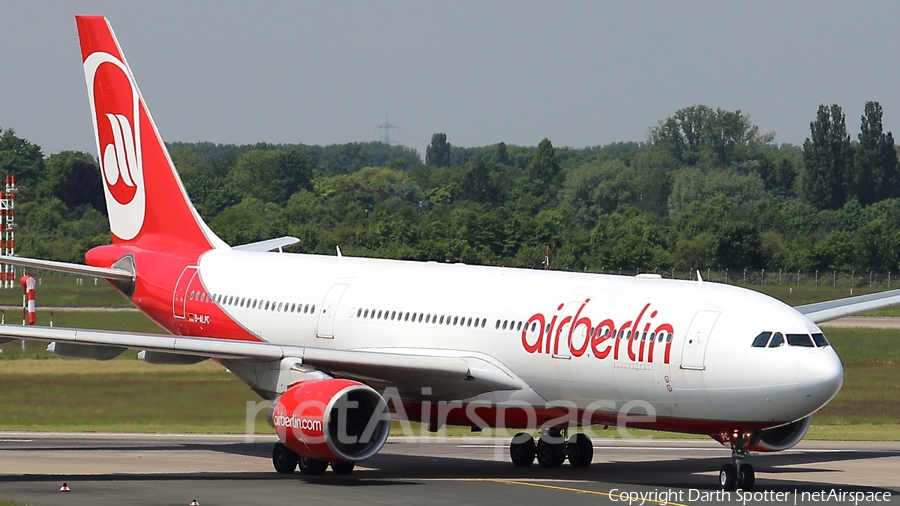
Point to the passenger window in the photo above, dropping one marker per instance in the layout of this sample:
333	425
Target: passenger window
442	319
483	321
267	305
497	326
312	309
428	318
628	336
379	314
469	323
504	324
455	319
761	340
653	336
777	340
414	317
802	340
406	317
305	308
294	309
420	318
191	296
519	326
448	319
358	313
820	340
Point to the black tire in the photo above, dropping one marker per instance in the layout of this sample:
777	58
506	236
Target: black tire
284	459
580	451
746	478
727	477
342	467
550	454
522	450
311	467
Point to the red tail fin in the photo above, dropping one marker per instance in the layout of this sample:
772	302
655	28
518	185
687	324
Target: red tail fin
146	200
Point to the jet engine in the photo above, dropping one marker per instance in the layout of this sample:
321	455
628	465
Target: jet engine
334	420
782	437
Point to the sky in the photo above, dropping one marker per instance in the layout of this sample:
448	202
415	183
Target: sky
578	73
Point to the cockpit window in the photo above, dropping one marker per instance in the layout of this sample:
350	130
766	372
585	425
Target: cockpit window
777	340
761	340
820	340
799	340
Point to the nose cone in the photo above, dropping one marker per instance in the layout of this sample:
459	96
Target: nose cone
820	377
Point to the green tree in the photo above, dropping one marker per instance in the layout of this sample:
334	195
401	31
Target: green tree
438	153
22	159
271	176
828	158
876	177
502	154
544	167
477	185
715	137
74	178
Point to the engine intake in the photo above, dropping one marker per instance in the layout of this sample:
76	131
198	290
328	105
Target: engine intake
332	420
783	437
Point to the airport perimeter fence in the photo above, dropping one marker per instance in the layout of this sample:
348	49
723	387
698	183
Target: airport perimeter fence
778	277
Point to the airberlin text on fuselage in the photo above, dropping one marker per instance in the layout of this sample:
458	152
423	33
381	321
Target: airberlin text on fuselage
603	339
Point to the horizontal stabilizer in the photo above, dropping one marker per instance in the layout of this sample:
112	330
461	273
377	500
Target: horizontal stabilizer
833	309
268	244
83	270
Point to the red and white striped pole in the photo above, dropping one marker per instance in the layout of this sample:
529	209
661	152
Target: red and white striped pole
28	300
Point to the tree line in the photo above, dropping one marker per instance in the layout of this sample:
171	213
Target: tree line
706	189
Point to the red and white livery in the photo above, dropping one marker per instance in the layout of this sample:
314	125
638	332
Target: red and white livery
342	344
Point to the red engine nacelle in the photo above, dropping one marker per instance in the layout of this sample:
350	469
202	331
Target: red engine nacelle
332	420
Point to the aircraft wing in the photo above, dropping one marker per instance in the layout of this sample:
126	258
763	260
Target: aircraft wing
84	270
269	244
453	376
833	309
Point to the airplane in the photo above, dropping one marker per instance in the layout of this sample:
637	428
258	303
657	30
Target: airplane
343	344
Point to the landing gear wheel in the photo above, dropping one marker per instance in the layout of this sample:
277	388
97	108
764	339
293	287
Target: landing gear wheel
522	450
310	466
342	467
746	478
284	459
727	477
550	454
580	451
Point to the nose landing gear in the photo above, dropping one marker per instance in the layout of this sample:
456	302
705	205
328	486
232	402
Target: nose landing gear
552	449
738	474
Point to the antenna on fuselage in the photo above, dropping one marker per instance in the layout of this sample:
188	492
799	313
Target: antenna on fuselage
339	252
699	277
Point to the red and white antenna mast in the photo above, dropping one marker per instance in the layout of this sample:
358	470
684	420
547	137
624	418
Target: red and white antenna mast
7	230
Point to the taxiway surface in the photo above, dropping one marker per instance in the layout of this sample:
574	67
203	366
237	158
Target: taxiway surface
225	470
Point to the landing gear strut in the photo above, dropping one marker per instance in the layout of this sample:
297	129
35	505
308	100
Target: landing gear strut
737	475
551	449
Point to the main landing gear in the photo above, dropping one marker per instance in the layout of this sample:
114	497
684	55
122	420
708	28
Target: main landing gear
286	461
551	449
738	474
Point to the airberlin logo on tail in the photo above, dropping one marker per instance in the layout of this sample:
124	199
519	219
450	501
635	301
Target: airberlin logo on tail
581	336
116	106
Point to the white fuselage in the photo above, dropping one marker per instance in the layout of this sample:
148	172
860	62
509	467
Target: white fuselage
712	372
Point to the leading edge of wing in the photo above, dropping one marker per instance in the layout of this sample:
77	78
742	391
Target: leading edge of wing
351	362
820	312
84	270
